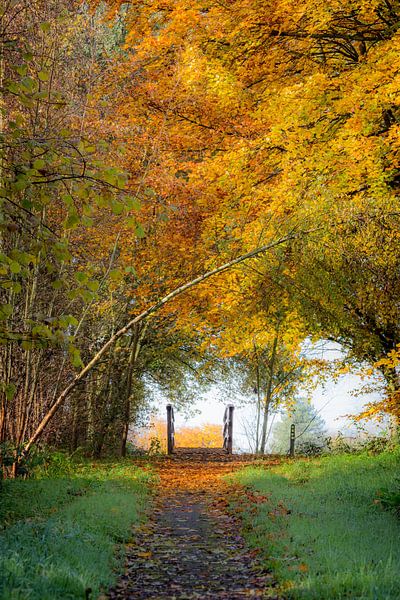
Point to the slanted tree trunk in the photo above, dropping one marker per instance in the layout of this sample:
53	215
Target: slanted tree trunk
139	319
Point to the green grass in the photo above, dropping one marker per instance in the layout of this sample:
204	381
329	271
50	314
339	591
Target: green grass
60	535
336	541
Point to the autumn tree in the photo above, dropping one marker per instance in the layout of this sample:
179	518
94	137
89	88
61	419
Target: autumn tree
207	435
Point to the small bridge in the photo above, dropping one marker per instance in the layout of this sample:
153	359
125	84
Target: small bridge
226	436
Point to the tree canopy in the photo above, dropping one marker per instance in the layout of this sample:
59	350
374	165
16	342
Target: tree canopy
145	145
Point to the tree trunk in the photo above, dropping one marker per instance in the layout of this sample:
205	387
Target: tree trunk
257	447
139	333
268	397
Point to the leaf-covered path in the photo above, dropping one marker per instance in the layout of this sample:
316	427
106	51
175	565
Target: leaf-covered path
191	547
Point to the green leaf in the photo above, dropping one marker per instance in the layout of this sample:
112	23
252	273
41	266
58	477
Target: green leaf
5	311
24	258
86	295
76	359
87	221
116	275
39	163
117	208
10	389
43	75
40	95
110	176
66	320
93	285
140	231
27	102
87	210
22	70
82	192
42	331
15	267
45	27
71	221
26	203
29	84
21	183
131	222
13	87
132	203
81	277
73	294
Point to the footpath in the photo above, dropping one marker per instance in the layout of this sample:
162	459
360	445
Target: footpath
191	547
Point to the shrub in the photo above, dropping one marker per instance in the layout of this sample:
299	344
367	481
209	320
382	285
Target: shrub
389	497
310	448
155	447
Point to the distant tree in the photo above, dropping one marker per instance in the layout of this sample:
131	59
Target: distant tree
208	435
310	429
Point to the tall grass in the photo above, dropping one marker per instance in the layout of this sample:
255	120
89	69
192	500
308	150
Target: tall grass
59	534
323	529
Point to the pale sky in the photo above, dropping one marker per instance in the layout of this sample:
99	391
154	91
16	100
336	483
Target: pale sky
334	400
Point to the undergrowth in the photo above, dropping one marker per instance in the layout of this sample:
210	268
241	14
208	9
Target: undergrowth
60	530
324	528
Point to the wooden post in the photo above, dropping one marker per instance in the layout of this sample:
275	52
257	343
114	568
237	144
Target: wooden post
170	429
228	428
292	440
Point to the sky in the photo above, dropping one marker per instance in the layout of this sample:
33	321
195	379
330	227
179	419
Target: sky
334	400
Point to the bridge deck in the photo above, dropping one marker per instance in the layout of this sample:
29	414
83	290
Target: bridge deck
209	455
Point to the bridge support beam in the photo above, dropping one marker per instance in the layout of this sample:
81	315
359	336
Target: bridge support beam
228	428
170	429
292	440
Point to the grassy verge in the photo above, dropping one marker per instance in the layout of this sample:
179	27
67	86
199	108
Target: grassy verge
322	528
59	533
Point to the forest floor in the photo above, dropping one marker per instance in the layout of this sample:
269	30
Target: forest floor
203	525
191	547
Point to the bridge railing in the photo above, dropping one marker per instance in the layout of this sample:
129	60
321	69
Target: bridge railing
228	428
170	429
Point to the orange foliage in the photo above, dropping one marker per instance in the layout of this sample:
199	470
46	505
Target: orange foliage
241	121
202	436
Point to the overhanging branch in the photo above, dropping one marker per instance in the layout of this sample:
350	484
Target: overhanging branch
141	317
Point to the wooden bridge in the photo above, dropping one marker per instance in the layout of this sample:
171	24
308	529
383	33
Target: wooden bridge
226	437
